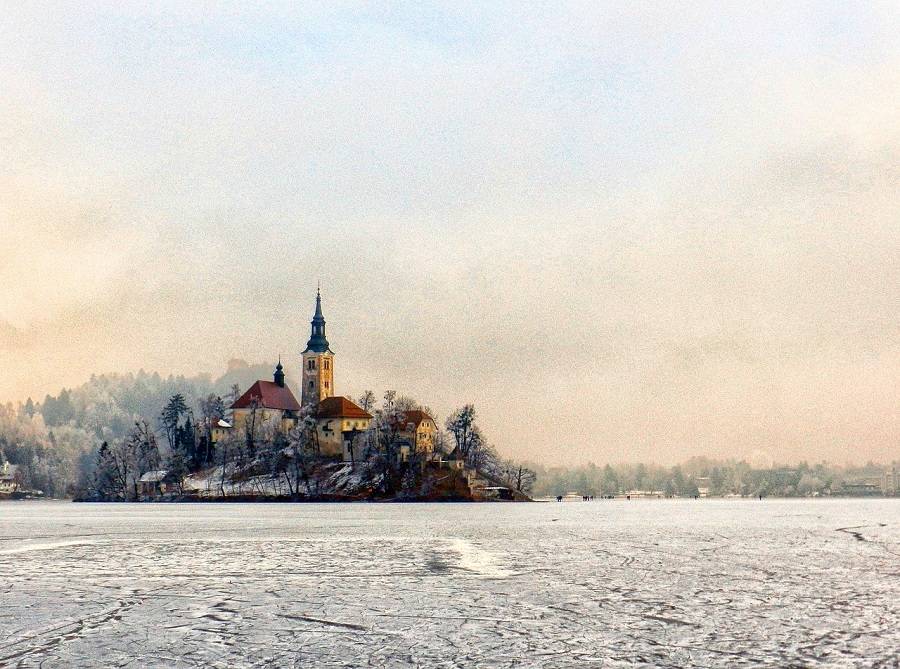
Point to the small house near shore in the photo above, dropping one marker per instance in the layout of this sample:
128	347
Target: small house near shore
153	483
10	478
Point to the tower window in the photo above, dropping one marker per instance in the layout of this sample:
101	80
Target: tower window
326	364
326	384
310	385
311	363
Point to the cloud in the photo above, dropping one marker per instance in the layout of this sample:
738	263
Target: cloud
624	233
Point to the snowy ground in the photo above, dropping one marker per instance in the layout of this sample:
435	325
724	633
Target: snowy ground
606	583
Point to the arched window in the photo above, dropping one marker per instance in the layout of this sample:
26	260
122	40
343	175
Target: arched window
326	363
311	363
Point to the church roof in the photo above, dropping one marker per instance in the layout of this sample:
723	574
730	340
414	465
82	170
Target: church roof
317	342
415	416
340	407
269	395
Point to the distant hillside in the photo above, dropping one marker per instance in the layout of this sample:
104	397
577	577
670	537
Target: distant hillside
54	438
110	403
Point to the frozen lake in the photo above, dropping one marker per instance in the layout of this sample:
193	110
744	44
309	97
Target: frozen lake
582	584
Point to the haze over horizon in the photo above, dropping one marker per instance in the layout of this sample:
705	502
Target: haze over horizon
622	233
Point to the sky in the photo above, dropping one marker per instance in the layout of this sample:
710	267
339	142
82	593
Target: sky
624	231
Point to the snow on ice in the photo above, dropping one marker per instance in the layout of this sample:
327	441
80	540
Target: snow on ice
723	583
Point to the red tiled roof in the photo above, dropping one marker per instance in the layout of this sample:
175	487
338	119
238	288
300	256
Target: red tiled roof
340	407
415	417
269	395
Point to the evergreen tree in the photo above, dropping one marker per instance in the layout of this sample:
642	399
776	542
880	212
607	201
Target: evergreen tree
178	467
187	444
170	418
105	485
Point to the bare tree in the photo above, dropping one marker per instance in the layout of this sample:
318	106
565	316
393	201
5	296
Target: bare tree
367	401
251	426
518	476
233	395
461	426
404	403
212	410
303	452
227	450
123	472
385	456
142	448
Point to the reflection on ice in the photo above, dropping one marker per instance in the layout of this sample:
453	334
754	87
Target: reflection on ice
476	560
43	546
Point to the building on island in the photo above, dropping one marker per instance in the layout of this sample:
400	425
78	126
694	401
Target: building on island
266	402
340	422
154	483
417	431
890	482
219	429
10	478
344	431
317	378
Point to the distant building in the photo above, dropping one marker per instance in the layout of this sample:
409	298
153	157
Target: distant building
703	485
890	482
153	483
417	431
453	461
10	478
861	488
339	422
264	402
317	378
219	429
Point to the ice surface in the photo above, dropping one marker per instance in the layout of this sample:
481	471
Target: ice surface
734	583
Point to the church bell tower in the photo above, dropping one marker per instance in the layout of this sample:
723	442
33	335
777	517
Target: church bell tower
318	362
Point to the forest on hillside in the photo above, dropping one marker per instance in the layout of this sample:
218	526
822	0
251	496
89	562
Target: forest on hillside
97	440
55	440
703	475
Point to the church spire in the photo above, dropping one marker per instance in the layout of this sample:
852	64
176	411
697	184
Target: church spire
279	374
319	304
317	341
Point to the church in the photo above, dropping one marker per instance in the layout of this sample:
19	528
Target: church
338	418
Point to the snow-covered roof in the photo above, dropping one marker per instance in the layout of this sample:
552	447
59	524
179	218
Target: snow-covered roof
154	477
222	423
